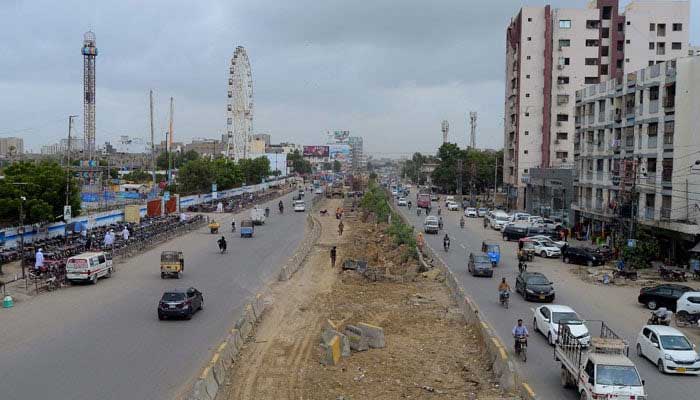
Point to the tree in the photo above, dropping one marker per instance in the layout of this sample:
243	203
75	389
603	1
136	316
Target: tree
177	159
196	176
478	168
299	164
255	170
44	187
337	166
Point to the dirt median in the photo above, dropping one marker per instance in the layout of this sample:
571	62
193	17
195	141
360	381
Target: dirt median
429	351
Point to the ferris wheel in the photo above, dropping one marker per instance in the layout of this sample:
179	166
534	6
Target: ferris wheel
239	121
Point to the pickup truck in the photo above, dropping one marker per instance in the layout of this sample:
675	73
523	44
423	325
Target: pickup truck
601	370
257	215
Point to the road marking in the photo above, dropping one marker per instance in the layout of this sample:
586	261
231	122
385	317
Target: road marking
503	353
529	389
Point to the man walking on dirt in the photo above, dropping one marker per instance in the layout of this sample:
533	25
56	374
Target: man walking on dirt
340	228
333	255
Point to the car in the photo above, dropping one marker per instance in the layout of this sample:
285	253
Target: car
688	303
452	206
534	285
481	212
449	199
480	265
664	295
394	193
434	197
514	231
547	319
544	249
299	206
580	255
548	240
520	217
318	190
431	224
301	193
181	303
498	220
669	349
470	212
550	224
402	202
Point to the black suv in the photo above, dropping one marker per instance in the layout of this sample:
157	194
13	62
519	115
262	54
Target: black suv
180	303
664	295
514	232
581	255
535	286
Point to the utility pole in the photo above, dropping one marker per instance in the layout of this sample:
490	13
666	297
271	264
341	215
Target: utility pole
459	178
68	165
170	140
153	144
472	183
495	178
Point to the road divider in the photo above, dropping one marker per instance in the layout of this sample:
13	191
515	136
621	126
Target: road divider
509	376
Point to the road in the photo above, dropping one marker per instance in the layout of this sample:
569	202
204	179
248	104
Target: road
615	305
105	341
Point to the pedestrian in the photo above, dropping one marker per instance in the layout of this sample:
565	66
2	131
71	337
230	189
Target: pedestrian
125	233
39	260
88	242
340	228
333	255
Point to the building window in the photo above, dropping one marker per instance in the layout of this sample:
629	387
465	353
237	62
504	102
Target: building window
652	27
590	80
528	57
562	117
562	80
660	49
627	60
677	27
562	136
591	61
525	171
527	133
592	24
529	38
564	43
651	62
229	121
620	27
527	94
527	114
661	30
676	46
528	20
604	51
604	69
592	42
620	45
566	24
607	12
627	41
525	151
564	60
527	76
651	45
654	93
605	33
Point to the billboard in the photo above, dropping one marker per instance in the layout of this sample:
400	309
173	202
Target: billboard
341	136
315	151
340	152
278	162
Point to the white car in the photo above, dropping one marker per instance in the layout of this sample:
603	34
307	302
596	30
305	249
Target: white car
452	206
548	240
669	349
470	212
299	205
402	202
544	249
449	199
688	303
547	319
481	212
318	190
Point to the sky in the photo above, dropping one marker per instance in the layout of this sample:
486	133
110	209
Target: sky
387	70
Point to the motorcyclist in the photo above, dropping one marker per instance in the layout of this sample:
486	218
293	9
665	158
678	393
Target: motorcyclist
461	221
446	242
409	204
267	212
503	288
662	316
281	206
222	243
233	224
520	331
439	211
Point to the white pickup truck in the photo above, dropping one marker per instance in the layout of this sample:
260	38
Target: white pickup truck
601	370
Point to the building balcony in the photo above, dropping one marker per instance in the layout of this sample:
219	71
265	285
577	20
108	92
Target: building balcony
615	179
665	213
615	144
668	141
618	115
669	102
599	176
666	177
650	179
649	213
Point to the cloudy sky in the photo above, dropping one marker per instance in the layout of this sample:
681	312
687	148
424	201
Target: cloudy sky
388	70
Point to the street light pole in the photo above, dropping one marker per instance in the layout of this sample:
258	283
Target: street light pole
21	234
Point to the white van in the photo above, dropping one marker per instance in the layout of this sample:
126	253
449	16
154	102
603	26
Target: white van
257	214
88	267
499	219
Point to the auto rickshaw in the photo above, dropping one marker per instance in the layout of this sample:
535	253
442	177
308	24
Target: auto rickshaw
527	252
172	263
493	250
247	228
213	227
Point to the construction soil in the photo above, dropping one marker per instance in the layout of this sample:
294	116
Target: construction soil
430	352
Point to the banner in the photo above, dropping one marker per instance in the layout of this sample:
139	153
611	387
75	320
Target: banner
340	152
315	151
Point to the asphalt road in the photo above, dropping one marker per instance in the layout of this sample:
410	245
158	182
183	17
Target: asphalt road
105	341
617	306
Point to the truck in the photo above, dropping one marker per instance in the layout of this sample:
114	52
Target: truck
599	369
257	215
337	189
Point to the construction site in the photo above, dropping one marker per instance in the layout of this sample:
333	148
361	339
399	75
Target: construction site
379	324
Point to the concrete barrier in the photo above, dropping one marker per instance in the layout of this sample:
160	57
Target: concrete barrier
199	391
297	260
258	306
374	335
244	327
210	384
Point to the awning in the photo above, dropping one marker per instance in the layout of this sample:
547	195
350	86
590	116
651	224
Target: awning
696	248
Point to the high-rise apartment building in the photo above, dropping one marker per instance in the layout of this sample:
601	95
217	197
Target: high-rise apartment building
11	146
552	52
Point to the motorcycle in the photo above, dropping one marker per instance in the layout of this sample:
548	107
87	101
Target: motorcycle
222	247
233	226
655	320
521	347
685	319
446	245
504	298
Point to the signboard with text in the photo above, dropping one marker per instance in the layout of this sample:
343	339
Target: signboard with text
315	151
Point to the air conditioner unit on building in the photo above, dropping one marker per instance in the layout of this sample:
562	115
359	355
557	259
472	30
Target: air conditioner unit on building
563	160
556	141
559	66
559	123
